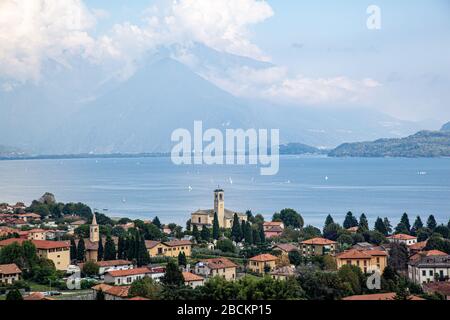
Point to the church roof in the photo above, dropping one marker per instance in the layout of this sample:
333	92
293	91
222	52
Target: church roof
94	220
210	212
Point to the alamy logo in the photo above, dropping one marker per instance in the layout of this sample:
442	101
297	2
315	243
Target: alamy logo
236	147
374	281
74	281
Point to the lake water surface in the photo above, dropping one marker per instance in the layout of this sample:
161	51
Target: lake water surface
314	186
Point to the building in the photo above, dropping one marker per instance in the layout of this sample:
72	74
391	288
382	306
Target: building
429	269
377	296
402	238
34	234
283	273
318	247
201	218
28	217
168	248
262	263
56	251
125	277
111	292
273	232
221	267
353	230
270	224
112	265
417	247
442	288
285	248
367	260
9	273
193	280
430	253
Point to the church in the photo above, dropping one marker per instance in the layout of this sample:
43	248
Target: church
202	218
91	243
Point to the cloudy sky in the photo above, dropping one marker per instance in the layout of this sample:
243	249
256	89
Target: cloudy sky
321	53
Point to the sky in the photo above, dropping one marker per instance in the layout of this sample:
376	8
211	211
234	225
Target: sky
321	52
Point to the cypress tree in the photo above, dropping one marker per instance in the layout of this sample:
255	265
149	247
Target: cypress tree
236	229
156	222
215	229
143	257
100	250
173	275
248	233
243	230
81	250
100	295
121	248
73	250
418	224
195	233
256	236
329	220
380	227
14	295
363	223
431	223
182	261
387	225
405	221
110	249
350	221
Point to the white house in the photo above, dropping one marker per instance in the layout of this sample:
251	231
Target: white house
193	280
124	277
429	269
114	265
402	238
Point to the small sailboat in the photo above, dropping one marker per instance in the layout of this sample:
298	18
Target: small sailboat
326	178
230	180
190	188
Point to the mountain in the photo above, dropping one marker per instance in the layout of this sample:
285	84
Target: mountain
10	152
446	127
81	109
299	148
421	144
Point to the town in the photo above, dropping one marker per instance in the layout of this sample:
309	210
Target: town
56	251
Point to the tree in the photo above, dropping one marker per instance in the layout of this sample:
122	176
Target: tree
345	240
14	295
226	245
398	257
236	232
290	218
352	275
205	234
143	257
380	226
81	250
295	257
100	250
436	242
431	223
363	223
401	228
350	221
156	222
195	233
110	249
387	225
331	231
100	296
248	236
423	234
216	229
329	220
405	222
182	261
73	250
262	235
173	275
418	224
442	230
90	268
152	232
146	288
121	248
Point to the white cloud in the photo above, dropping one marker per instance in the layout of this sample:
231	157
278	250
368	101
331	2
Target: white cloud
31	31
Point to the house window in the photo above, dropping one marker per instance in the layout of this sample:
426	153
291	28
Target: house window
431	272
424	273
199	220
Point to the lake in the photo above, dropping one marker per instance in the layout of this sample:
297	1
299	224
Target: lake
314	186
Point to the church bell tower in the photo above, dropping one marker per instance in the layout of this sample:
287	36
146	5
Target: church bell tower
219	206
94	232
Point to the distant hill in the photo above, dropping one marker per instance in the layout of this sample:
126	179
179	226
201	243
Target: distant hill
10	152
421	144
300	148
446	127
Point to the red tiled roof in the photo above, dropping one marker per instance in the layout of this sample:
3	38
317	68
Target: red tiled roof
418	246
219	263
130	272
360	254
101	286
176	243
118	291
274	229
34	296
40	244
430	253
402	236
151	243
189	276
378	296
319	241
264	257
9	269
273	223
286	247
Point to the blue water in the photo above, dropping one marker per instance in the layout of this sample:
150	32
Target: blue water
145	187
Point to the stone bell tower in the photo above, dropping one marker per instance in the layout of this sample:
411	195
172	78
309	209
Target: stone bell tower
219	206
94	232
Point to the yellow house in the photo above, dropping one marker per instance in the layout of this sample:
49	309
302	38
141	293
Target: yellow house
366	260
217	267
9	273
169	248
262	263
56	251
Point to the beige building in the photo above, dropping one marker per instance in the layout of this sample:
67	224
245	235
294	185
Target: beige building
367	260
168	248
9	273
202	218
262	263
221	267
317	247
56	251
402	238
193	280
